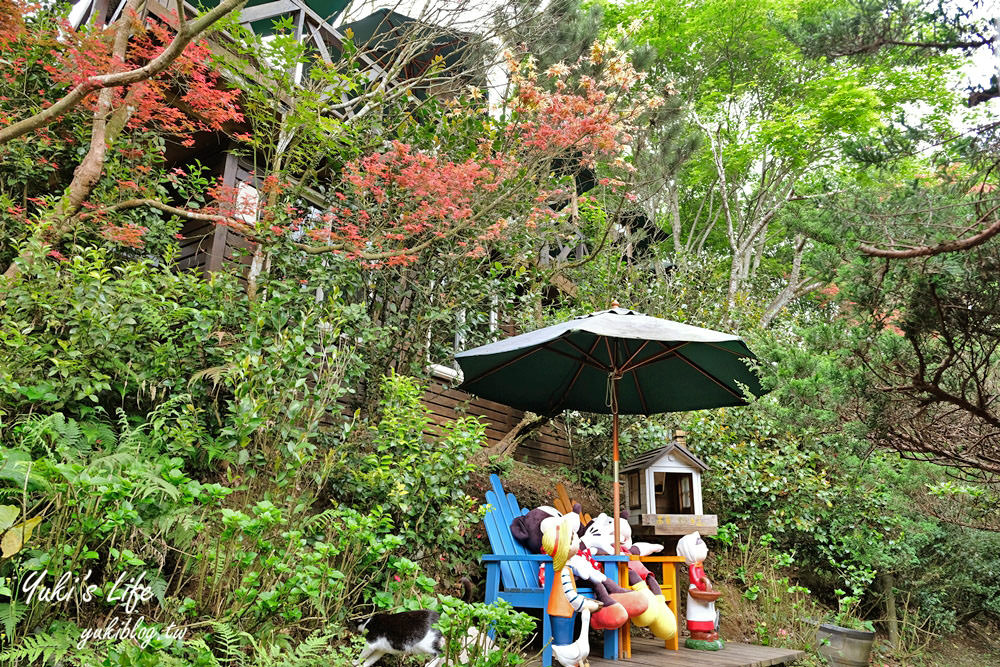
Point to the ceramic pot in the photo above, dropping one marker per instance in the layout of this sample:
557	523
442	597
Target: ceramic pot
845	647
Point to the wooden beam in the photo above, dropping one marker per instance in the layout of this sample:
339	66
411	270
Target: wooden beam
681	524
266	11
320	43
218	252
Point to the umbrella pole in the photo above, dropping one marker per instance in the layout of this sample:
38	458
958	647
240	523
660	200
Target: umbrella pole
617	502
624	634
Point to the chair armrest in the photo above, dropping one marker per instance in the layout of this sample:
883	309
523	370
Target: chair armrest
542	558
496	558
657	559
612	559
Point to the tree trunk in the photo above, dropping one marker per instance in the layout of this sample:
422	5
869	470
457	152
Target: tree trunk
675	219
890	610
529	422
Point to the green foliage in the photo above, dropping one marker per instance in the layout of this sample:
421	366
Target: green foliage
498	465
418	481
40	647
75	331
771	604
465	628
771	480
191	429
846	615
123	456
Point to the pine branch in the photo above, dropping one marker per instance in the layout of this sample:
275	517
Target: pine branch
941	248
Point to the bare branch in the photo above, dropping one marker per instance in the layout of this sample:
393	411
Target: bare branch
881	42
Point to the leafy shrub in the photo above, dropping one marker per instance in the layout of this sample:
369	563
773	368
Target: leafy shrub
417	480
465	627
767	604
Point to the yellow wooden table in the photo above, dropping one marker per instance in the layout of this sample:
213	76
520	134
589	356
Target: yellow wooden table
668	585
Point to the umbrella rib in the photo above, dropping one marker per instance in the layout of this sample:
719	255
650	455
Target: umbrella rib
572	383
638	388
656	357
588	362
504	365
588	358
710	376
735	354
634	355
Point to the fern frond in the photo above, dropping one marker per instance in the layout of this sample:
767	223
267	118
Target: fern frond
11	614
114	461
42	647
157	483
229	643
320	522
313	645
130	438
215	374
204	651
313	651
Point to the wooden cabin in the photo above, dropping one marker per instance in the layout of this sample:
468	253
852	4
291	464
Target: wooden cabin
208	248
663	491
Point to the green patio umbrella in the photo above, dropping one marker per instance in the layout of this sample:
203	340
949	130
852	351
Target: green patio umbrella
615	361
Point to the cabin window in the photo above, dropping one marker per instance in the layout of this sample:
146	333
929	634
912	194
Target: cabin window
247	203
674	492
632	482
687	506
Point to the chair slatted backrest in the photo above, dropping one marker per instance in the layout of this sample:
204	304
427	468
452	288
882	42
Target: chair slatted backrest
515	574
565	505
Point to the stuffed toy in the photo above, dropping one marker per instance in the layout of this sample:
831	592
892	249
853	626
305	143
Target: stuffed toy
560	541
702	619
619	603
599	536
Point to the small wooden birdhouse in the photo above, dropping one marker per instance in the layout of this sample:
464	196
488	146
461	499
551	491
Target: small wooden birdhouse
663	492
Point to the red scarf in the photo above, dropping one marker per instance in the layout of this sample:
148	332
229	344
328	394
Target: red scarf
582	552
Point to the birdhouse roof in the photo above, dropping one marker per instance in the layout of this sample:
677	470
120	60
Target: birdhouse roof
647	459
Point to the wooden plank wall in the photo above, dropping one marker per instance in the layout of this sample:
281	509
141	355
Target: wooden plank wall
548	446
196	246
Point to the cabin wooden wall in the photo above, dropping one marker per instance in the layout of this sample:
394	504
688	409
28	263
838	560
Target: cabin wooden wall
207	247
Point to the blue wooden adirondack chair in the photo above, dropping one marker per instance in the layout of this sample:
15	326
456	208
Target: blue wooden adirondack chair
512	572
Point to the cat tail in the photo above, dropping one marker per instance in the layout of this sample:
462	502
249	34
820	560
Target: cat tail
468	590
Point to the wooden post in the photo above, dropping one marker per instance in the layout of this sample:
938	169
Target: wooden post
217	254
625	633
617	500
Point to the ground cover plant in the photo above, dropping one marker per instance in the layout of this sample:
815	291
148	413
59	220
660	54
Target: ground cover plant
226	465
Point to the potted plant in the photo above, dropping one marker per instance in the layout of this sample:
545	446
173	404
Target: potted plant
846	641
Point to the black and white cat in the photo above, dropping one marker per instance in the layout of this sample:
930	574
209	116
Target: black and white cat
405	633
413	633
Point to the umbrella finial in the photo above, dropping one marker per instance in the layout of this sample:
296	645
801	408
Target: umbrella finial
614	303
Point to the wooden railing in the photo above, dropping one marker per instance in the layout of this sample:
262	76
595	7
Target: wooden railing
311	29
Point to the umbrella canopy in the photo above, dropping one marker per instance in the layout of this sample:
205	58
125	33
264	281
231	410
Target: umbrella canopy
615	361
660	365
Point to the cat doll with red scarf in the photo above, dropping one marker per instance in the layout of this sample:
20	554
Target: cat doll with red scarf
598	536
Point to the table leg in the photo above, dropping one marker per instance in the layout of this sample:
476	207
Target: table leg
625	636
